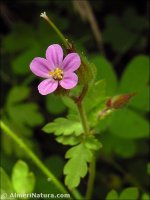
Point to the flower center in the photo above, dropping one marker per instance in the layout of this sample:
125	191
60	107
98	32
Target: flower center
57	74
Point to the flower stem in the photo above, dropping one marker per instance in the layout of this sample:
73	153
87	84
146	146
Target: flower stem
92	164
91	179
56	30
36	160
83	118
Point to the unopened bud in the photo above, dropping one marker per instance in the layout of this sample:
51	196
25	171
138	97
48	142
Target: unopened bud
119	101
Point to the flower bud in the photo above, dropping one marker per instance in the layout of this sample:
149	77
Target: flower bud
119	101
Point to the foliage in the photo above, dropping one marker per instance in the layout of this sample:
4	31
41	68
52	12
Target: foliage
63	126
22	181
128	193
6	186
119	136
76	163
26	117
125	26
124	123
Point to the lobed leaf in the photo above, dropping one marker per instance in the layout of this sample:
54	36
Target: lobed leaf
26	113
68	140
20	116
64	126
76	168
23	181
92	143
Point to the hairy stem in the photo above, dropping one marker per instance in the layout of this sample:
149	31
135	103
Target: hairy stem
36	160
56	30
84	121
83	118
91	179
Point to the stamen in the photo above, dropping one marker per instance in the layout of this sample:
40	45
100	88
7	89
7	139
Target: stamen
57	74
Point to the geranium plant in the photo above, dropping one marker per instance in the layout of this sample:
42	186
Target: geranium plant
71	77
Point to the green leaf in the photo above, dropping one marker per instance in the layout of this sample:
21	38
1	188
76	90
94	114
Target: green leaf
124	26
105	71
23	132
145	196
23	181
17	94
76	168
114	29
128	124
104	123
129	193
21	37
20	64
26	113
121	147
92	143
64	126
95	95
135	79
22	113
112	195
5	184
136	74
114	144
20	116
132	20
69	103
68	140
54	104
141	100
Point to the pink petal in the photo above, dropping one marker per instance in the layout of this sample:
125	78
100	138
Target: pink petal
47	86
71	62
40	67
69	81
54	54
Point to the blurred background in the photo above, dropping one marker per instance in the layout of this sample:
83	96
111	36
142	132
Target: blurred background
114	36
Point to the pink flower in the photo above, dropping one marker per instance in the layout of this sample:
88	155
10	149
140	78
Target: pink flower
56	70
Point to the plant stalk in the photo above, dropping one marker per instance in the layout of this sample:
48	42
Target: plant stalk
56	30
83	118
91	179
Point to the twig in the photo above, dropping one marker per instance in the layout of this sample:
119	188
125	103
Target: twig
86	12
